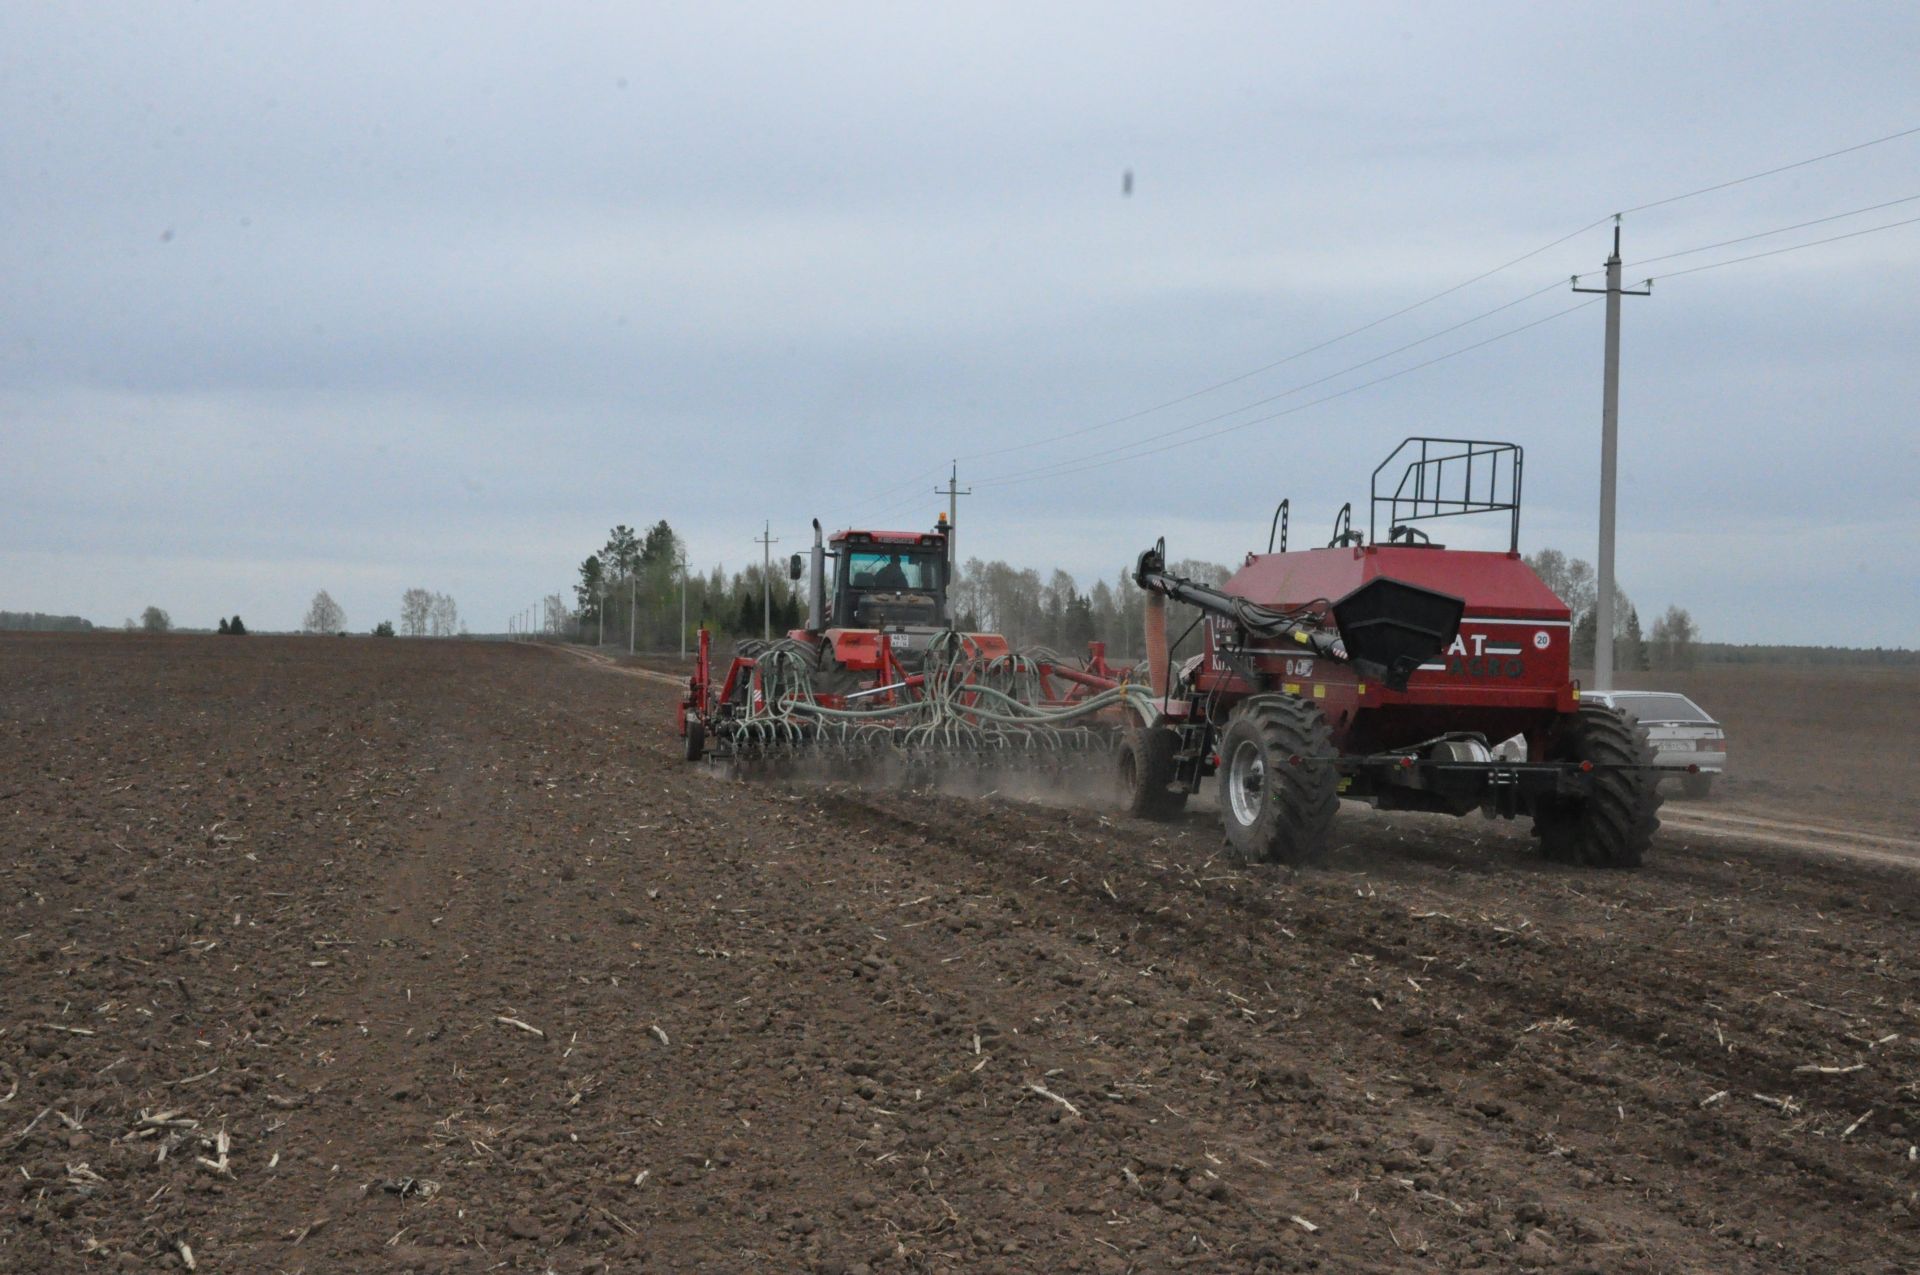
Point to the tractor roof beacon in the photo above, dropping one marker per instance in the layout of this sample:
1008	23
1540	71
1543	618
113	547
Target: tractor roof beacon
1381	669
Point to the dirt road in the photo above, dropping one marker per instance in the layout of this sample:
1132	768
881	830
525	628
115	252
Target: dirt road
348	955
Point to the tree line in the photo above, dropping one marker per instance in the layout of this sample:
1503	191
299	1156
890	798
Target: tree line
630	592
39	622
633	584
1673	642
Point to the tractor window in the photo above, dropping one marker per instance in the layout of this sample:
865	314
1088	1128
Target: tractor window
906	571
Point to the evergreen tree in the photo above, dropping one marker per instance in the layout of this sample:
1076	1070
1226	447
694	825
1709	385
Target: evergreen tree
587	592
1632	652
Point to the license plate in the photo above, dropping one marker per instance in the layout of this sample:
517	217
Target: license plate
1674	746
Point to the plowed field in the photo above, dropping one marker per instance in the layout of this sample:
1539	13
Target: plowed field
345	955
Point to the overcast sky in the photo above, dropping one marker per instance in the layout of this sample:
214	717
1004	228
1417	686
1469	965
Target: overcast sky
361	298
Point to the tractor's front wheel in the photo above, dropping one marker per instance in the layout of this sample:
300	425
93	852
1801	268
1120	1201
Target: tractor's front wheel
1613	825
1278	788
1144	763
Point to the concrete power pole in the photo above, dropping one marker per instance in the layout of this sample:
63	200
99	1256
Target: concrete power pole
683	603
953	493
1609	464
767	541
633	609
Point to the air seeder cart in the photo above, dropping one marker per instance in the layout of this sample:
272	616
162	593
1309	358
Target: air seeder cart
1388	669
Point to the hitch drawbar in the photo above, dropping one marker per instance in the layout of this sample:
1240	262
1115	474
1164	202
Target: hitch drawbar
1386	628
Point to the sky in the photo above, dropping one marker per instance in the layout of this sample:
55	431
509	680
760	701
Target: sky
368	297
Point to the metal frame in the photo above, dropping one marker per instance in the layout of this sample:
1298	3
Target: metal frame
1435	479
1280	519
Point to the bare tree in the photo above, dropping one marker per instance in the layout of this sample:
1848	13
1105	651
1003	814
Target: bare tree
154	620
1571	579
416	605
1671	644
443	616
324	616
559	619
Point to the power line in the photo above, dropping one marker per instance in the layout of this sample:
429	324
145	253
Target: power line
1065	468
1307	385
1300	407
914	481
1784	168
1298	354
1445	292
1814	243
1765	234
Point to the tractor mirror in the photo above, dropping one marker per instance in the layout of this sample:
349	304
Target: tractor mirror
794	569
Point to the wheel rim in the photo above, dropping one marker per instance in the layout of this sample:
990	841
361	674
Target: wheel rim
1246	782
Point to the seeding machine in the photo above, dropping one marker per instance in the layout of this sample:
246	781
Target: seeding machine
879	680
1395	670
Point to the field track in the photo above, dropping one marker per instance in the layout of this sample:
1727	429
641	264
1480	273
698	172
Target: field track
434	956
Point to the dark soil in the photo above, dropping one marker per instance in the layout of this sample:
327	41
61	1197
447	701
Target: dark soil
293	890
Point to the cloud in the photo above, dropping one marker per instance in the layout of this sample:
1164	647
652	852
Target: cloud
371	295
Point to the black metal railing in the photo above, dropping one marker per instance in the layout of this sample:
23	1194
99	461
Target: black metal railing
1447	478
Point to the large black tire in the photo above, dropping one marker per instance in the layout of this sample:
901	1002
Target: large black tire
1613	826
1697	787
696	739
834	678
1143	766
1278	788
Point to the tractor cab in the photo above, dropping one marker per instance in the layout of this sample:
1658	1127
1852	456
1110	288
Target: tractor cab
885	604
862	584
888	580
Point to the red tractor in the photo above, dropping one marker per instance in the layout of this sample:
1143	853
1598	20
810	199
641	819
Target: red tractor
1390	670
879	673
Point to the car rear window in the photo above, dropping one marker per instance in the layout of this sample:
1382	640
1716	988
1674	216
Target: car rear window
1661	708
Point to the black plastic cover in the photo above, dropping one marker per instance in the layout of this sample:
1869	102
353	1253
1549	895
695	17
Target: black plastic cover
1391	628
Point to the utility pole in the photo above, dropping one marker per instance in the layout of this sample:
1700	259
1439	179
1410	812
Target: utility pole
1609	463
600	614
683	602
953	493
633	608
767	541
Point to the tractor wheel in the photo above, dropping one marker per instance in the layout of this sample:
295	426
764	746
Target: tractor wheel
834	678
1696	787
696	738
1144	765
1614	824
1278	795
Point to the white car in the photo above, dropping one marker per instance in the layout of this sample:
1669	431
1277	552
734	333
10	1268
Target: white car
1686	740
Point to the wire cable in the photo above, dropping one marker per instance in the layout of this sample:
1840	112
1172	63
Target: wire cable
1065	467
1764	234
1815	243
918	478
1771	172
1302	387
1282	362
1445	292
